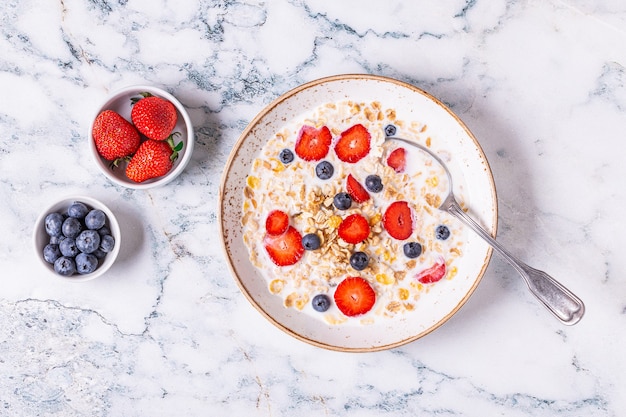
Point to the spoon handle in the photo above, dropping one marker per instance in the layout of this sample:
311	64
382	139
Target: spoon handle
560	301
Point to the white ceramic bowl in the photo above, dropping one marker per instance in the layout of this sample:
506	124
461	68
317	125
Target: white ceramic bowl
41	238
120	101
434	307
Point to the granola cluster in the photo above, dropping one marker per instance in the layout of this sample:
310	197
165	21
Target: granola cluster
294	188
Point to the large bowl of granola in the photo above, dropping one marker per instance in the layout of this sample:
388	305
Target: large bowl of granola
332	232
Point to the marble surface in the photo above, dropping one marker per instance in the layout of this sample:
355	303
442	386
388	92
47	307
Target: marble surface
542	85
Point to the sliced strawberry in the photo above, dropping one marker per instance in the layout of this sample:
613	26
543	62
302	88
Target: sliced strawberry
354	296
313	144
353	144
354	229
398	220
277	222
397	159
432	274
284	249
358	193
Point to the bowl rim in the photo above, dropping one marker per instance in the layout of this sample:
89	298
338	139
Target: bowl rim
93	203
187	149
221	208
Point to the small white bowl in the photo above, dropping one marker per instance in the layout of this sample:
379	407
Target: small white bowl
41	238
120	101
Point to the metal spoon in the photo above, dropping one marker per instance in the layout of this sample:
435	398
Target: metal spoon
560	301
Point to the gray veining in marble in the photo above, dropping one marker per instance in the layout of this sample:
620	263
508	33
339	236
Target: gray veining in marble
542	85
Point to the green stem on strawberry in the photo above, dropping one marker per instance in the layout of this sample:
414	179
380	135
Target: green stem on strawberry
117	161
144	94
176	147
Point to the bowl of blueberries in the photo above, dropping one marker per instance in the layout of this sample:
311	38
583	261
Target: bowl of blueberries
77	238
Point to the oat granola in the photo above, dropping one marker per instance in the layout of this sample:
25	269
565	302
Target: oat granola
295	188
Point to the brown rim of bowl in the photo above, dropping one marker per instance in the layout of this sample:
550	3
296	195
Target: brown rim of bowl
263	113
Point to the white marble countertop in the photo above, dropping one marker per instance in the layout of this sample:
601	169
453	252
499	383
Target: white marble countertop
166	332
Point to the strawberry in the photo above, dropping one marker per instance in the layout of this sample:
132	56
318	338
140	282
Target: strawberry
432	274
354	229
358	193
153	116
277	222
397	159
398	220
313	144
353	144
354	296
114	136
286	248
154	158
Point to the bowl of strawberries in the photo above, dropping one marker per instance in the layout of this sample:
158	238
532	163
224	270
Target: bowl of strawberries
141	137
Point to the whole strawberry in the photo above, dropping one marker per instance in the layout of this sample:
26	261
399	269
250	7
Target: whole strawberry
154	158
153	116
114	136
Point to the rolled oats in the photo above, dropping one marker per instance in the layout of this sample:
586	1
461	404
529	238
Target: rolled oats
308	201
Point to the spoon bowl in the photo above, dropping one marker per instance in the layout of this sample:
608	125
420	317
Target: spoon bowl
560	301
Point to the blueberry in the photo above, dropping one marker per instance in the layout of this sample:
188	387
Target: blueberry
72	227
51	253
342	201
95	219
321	302
68	247
65	266
77	210
374	183
442	232
86	263
311	241
104	230
412	249
107	243
390	130
324	170
359	260
54	224
99	253
286	156
55	240
88	241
